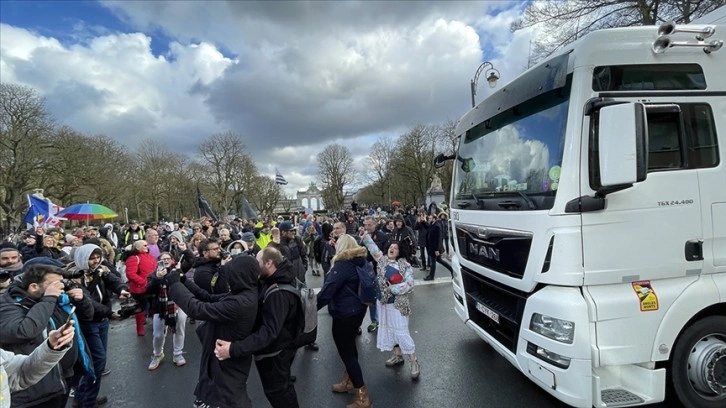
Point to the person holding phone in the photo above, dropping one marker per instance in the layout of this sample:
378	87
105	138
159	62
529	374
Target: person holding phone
167	316
38	305
97	281
20	372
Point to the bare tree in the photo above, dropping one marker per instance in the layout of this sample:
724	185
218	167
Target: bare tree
25	127
565	21
379	170
335	170
228	169
265	195
413	166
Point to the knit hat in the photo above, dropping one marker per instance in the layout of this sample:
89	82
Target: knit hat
248	237
70	238
42	260
286	226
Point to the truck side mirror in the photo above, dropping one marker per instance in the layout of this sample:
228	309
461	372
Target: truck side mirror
623	144
441	159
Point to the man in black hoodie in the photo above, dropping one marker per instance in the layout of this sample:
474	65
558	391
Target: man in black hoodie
227	317
279	321
206	267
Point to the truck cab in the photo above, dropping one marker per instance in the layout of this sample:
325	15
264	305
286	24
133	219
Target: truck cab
588	209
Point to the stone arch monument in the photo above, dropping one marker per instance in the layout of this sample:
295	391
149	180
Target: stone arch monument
310	198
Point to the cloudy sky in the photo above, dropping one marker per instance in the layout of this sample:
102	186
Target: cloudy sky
290	77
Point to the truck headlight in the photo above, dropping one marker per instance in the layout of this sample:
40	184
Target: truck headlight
552	328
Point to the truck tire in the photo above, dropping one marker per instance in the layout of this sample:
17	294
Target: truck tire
698	364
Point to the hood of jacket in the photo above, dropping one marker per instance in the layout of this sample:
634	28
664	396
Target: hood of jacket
283	274
242	273
82	253
352	254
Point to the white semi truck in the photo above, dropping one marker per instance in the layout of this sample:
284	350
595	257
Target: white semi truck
588	209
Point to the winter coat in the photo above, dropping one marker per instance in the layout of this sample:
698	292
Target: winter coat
19	372
433	239
24	323
298	254
279	318
98	284
205	270
423	228
229	317
138	268
340	289
131	236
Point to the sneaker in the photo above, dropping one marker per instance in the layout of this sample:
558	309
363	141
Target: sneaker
372	327
415	370
179	361
72	394
102	400
394	361
155	361
106	372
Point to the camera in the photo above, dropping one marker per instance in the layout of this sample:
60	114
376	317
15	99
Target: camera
5	275
129	307
69	285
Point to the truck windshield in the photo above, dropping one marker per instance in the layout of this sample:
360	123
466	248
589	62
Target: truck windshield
512	160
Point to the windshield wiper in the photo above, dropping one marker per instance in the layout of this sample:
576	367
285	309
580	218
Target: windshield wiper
530	202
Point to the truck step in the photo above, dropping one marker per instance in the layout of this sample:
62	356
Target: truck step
618	398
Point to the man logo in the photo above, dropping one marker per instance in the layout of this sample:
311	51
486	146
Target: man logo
483	251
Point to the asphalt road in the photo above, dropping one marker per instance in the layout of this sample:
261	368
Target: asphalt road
457	368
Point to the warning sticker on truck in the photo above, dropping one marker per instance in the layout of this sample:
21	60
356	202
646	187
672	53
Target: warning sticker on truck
646	296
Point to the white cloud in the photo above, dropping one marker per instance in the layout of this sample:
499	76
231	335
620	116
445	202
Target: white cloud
289	76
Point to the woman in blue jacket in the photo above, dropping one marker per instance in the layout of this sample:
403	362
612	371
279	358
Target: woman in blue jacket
340	294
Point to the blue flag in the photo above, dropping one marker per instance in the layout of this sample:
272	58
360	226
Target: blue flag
38	212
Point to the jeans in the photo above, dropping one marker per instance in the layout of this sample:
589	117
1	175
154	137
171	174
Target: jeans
160	333
344	333
422	248
446	244
374	313
96	335
275	378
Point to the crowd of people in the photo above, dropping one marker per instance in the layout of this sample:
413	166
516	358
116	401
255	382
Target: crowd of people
224	278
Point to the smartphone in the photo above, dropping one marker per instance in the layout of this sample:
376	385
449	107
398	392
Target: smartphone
160	265
68	320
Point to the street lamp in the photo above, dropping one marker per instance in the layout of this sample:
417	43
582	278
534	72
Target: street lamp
492	75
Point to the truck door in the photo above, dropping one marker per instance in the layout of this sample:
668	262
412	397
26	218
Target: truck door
701	125
647	231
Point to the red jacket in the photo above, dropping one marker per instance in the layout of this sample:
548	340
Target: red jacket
138	268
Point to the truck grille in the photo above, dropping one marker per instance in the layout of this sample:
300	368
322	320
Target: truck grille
504	251
507	305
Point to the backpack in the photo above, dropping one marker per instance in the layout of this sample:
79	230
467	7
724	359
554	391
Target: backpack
307	331
367	284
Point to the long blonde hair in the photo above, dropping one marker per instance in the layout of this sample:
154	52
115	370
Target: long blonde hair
344	243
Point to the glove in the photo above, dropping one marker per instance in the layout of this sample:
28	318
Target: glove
173	277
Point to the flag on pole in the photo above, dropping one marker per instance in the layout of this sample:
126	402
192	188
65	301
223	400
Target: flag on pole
246	210
204	209
41	212
279	179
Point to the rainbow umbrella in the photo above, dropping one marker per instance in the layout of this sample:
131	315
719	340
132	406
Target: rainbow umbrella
87	212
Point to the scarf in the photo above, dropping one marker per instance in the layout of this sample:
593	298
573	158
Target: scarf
167	307
65	302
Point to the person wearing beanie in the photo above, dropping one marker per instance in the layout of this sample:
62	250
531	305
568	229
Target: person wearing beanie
27	247
179	250
249	238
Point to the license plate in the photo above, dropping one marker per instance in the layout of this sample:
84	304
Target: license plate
488	312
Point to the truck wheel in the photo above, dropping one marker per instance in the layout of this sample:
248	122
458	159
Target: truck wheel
698	364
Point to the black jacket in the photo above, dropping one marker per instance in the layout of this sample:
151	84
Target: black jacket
99	287
433	239
204	275
423	228
279	318
340	290
229	317
23	324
